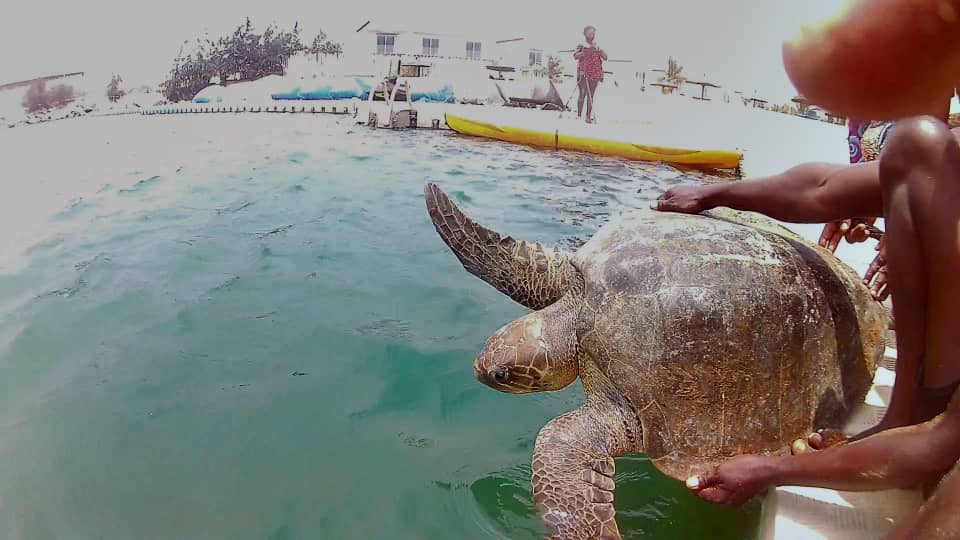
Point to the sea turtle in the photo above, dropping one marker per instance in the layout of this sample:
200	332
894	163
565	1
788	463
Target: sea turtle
696	337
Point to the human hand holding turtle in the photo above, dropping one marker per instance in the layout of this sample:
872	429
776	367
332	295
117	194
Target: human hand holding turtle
734	482
818	440
876	276
683	199
856	230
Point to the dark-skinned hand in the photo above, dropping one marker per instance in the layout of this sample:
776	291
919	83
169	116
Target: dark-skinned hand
876	276
734	482
683	199
845	228
818	440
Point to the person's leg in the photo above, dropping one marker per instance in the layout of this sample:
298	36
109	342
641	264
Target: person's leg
938	518
920	177
582	87
591	90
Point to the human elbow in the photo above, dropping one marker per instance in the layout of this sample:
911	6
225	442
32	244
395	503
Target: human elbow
810	199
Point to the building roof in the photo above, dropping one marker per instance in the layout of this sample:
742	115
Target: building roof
9	86
408	29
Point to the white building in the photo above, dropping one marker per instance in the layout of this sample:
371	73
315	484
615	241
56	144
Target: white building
391	42
379	51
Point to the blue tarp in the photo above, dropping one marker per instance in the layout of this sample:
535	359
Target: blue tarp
338	89
210	94
365	87
341	88
444	94
292	94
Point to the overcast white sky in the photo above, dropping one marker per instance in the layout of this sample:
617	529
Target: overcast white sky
734	42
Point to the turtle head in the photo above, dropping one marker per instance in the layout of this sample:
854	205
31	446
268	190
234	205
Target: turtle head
535	353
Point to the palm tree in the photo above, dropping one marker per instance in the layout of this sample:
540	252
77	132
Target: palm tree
331	48
672	76
316	46
554	69
801	106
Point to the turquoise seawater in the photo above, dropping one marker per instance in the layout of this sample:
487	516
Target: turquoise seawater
269	341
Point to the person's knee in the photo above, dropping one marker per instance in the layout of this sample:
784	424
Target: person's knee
917	143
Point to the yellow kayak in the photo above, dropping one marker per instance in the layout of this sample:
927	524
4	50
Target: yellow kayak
593	139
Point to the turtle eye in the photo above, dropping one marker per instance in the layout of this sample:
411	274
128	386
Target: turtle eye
500	375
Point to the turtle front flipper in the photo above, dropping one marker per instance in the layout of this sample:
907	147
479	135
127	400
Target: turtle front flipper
573	468
531	274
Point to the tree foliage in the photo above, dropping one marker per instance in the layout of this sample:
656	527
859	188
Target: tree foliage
244	55
321	46
60	95
316	46
39	98
36	97
331	48
554	69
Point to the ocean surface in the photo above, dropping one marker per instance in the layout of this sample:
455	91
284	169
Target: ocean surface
248	328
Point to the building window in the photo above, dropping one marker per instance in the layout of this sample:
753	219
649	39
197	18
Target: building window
414	71
431	46
473	50
536	58
385	43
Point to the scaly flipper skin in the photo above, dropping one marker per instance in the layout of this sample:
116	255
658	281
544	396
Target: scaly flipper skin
532	275
573	463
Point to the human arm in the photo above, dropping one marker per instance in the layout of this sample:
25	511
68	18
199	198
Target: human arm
808	193
603	54
905	457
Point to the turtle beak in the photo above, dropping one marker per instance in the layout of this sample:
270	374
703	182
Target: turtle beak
491	375
484	375
480	373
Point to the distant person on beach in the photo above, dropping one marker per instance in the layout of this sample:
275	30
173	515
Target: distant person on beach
590	58
915	187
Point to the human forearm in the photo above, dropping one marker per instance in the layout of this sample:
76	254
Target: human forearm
899	458
808	193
